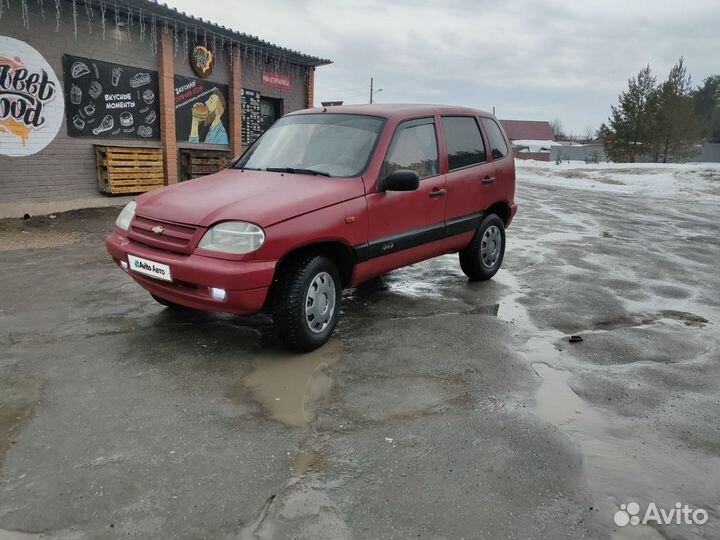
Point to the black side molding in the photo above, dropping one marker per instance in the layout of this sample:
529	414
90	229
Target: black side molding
417	237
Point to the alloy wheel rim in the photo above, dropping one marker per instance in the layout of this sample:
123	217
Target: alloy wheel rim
490	246
320	302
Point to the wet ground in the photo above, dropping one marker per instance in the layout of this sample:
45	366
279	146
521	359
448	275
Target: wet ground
441	409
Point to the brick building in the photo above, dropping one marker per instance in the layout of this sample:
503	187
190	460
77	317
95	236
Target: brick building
77	77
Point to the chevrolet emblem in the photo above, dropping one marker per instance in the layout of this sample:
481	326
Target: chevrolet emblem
158	229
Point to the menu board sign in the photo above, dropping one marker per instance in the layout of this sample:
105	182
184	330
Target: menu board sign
251	118
201	111
109	100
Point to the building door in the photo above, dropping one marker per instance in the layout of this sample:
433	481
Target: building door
270	110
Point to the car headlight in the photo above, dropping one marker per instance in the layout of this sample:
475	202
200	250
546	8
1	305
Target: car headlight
236	237
125	217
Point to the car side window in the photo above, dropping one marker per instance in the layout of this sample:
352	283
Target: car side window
465	144
498	147
414	147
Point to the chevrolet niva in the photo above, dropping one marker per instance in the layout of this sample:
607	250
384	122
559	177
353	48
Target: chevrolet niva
325	199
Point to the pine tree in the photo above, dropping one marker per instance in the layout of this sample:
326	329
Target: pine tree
678	127
707	107
629	133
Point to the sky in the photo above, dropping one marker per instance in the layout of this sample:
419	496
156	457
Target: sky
530	60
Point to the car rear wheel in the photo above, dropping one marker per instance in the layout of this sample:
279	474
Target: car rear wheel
306	302
482	258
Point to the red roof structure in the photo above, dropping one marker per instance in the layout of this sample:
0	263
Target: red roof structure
528	130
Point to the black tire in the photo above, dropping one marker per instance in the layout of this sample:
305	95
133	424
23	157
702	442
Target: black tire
479	261
168	303
290	302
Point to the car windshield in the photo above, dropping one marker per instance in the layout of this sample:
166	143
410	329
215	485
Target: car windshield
338	145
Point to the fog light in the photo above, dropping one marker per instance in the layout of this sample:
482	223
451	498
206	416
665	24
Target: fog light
123	265
218	294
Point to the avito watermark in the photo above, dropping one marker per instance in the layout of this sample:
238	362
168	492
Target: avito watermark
680	514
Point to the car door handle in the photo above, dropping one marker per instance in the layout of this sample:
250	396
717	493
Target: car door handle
488	180
438	193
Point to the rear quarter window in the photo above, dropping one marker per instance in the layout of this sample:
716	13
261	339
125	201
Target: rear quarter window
498	147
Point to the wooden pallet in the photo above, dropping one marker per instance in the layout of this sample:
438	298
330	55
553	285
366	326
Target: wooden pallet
195	163
129	170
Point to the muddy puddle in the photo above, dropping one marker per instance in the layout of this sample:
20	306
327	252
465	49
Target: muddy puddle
18	397
290	387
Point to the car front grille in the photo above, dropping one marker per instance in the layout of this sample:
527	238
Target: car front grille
165	235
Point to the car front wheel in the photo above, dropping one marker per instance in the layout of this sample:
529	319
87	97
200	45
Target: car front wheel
482	258
306	302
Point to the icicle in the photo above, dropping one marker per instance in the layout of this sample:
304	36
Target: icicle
166	27
205	37
185	42
25	13
129	23
231	52
74	4
177	39
222	46
153	35
2	6
41	4
196	39
89	14
58	14
213	43
102	15
142	26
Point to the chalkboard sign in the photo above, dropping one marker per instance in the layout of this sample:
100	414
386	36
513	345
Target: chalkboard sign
252	120
201	111
110	101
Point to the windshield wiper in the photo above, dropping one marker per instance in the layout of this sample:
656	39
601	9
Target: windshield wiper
293	170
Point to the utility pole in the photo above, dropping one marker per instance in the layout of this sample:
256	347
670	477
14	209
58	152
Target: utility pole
372	90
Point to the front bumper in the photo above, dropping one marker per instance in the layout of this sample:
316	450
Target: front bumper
246	282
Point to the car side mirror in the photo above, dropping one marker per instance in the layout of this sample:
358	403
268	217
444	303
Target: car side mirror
400	180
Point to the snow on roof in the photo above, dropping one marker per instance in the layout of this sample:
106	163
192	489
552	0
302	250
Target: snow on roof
534	145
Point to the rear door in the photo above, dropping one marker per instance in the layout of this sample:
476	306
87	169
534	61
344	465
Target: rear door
408	226
503	188
469	178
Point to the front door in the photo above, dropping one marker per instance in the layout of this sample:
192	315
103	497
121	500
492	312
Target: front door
408	226
270	111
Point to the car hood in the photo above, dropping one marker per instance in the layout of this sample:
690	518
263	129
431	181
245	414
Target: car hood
260	197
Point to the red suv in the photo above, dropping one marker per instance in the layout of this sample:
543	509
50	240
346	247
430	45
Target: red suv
325	199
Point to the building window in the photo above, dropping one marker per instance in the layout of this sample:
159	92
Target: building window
464	141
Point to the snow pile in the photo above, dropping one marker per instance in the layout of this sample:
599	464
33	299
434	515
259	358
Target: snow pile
651	179
534	146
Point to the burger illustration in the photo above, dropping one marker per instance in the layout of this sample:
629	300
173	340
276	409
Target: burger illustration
209	115
200	111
